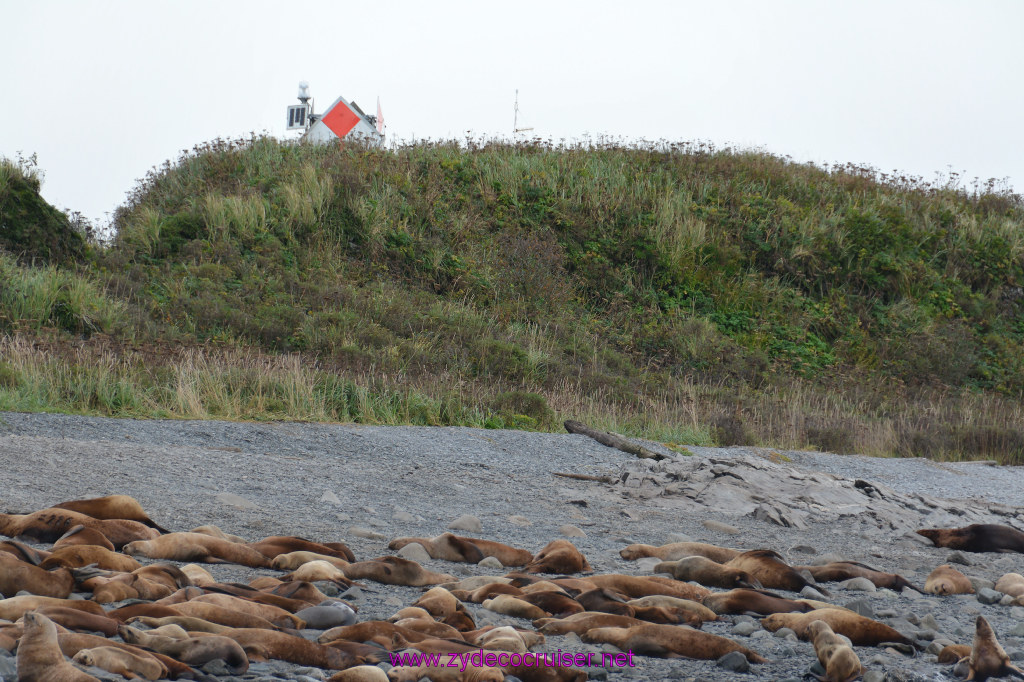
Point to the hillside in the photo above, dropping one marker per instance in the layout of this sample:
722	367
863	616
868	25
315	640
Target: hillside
690	294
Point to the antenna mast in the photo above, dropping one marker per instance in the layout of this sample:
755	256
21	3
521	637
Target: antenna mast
515	120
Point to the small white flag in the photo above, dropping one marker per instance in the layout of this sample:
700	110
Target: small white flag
380	118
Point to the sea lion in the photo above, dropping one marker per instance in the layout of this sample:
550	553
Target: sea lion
860	630
486	592
80	535
293	560
581	622
451	547
759	602
319	570
945	580
16	575
707	572
21	551
952	653
438	602
276	545
266	644
635	587
360	673
409	612
678	550
269	612
112	507
676	605
987	657
325	617
393	570
475	581
216	532
73	642
834	653
14	608
543	669
668	641
77	620
199	548
187	623
193	651
442	673
120	662
603	600
845	570
300	590
558	556
514	606
768	568
431	628
555	603
977	537
1011	584
79	556
48	525
39	656
377	631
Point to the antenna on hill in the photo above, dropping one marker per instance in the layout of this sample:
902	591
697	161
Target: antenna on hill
515	120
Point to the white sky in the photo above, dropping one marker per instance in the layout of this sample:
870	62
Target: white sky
102	91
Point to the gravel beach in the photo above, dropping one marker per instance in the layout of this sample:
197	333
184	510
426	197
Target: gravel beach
367	485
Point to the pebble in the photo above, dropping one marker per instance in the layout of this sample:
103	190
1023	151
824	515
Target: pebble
859	584
928	621
361	532
330	498
414	551
784	633
677	537
745	629
810	593
862	607
467	523
874	676
403	516
734	661
571	531
490	562
982	584
720	527
802	549
233	500
216	667
958	557
521	521
989	596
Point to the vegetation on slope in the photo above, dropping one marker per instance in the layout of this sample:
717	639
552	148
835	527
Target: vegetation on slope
684	292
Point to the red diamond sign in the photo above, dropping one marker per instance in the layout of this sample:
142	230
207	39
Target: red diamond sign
340	119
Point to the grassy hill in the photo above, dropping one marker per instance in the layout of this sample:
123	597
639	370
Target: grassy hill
680	292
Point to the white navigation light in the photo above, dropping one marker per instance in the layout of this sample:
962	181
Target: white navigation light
303	91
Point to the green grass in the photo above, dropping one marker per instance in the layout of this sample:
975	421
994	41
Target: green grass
688	294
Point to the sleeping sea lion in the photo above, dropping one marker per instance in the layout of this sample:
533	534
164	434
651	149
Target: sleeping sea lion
112	507
678	550
947	580
668	641
558	556
977	537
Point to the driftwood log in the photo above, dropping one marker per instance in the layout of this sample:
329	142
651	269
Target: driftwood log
612	440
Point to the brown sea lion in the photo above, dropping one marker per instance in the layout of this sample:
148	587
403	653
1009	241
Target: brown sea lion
451	547
604	600
193	651
558	604
977	537
835	655
299	590
267	644
112	507
48	525
216	532
293	560
360	673
199	548
76	620
438	602
73	642
845	570
269	612
377	631
543	669
393	570
1011	584
668	641
952	653
768	568
244	592
283	544
315	571
707	572
758	602
678	550
558	556
21	551
120	662
987	657
16	575
39	656
860	630
430	628
946	580
442	673
676	605
188	623
581	622
514	606
486	592
80	535
14	608
635	587
79	556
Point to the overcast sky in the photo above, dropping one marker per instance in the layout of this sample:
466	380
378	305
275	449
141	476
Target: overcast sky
103	91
